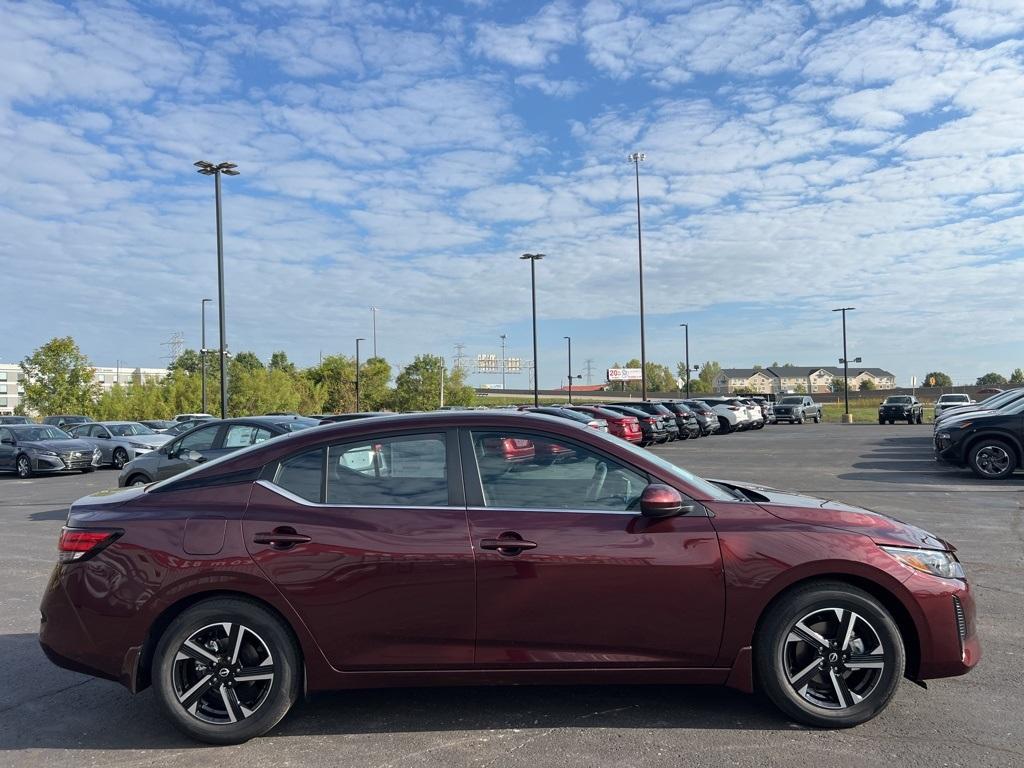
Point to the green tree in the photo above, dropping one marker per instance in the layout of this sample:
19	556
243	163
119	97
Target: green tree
708	373
800	389
245	361
59	379
335	379
261	390
867	385
188	362
989	380
418	386
279	362
456	390
374	377
1017	377
941	379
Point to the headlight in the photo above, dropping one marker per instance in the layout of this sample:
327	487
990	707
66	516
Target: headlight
41	452
935	562
943	435
139	446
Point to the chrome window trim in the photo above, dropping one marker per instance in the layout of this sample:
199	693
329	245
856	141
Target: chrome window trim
553	510
306	503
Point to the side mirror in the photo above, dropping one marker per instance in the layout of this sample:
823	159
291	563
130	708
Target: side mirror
195	456
102	435
7	441
660	500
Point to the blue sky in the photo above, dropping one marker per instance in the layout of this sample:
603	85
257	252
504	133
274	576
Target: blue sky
800	156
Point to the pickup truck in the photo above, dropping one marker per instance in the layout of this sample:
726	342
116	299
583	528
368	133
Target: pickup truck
901	408
796	408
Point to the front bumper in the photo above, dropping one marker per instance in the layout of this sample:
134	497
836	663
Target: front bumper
947	635
947	451
64	462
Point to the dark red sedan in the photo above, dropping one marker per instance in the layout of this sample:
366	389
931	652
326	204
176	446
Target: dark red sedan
408	550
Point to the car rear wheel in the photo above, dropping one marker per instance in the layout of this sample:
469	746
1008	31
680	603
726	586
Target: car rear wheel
226	670
817	419
829	655
725	426
24	466
992	459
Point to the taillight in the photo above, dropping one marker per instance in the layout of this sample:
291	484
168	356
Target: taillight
651	420
82	543
733	407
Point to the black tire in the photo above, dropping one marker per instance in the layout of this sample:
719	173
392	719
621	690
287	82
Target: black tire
881	421
23	466
819	695
920	418
724	426
892	421
138	480
817	419
119	458
992	459
265	633
800	420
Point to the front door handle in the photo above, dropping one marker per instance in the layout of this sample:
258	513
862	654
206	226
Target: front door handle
281	538
508	545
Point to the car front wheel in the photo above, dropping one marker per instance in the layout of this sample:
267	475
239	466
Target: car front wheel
992	459
24	467
829	655
226	671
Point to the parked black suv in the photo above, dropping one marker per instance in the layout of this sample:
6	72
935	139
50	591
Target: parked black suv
652	428
673	423
990	444
901	408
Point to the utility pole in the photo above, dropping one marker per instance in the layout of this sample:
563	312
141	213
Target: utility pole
589	369
687	377
202	349
459	361
533	258
442	383
357	373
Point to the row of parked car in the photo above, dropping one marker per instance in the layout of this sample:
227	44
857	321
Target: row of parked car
987	436
152	450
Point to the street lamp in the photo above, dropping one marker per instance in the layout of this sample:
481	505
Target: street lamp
686	328
503	337
228	169
636	158
202	350
357	373
533	259
847	419
568	341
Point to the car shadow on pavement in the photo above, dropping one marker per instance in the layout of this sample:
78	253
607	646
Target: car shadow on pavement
46	707
50	514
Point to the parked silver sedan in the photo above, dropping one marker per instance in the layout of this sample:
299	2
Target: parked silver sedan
119	441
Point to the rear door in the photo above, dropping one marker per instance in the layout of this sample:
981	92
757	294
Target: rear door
570	574
6	449
368	541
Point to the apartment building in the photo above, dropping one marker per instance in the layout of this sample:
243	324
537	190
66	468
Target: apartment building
795	378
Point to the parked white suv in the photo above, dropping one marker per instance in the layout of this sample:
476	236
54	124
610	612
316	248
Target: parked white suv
730	417
950	401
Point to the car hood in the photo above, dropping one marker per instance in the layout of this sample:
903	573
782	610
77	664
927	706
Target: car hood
897	405
154	441
956	418
799	508
58	446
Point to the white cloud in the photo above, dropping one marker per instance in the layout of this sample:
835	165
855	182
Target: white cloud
532	44
986	19
563	89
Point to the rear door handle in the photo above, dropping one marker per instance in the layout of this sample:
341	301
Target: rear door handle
280	538
507	545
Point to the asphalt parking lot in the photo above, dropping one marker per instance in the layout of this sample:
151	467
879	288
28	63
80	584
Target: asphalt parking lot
49	715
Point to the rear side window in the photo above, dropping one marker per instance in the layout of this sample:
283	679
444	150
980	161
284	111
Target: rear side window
242	435
303	475
410	470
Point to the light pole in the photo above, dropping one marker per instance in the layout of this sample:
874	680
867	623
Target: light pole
636	158
373	312
228	169
568	342
847	419
202	349
357	373
533	259
686	329
503	337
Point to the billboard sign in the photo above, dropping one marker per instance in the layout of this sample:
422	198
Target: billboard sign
623	374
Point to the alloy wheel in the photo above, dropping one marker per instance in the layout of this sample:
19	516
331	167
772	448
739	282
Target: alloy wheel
120	458
833	658
24	467
223	673
992	460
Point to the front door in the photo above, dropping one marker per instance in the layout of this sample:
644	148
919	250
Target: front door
6	449
569	572
367	539
173	460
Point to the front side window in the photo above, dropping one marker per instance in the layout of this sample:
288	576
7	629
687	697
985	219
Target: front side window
520	470
410	470
200	440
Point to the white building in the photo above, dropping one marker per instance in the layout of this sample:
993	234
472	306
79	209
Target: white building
12	381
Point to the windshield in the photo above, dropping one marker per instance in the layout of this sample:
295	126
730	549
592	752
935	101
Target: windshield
792	400
41	433
706	490
898	400
127	430
953	399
